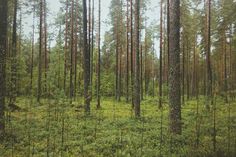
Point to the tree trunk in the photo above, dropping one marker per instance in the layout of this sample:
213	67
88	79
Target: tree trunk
99	54
120	68
153	71
3	50
183	71
137	62
72	51
141	71
76	49
145	64
225	71
45	44
32	51
92	46
160	68
188	70
66	46
194	82
208	53
174	71
89	46
40	51
168	39
13	56
87	96
131	53
127	53
117	60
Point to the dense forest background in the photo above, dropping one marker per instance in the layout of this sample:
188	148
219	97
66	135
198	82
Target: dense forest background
69	89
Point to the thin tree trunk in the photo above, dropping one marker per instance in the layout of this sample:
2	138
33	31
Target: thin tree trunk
127	53
208	53
76	50
225	71
137	62
18	84
168	39
40	51
13	56
59	59
174	72
183	72
87	97
3	54
32	51
72	51
99	54
66	46
160	68
92	45
131	53
194	70
120	69
117	61
141	50
153	71
45	43
89	45
164	46
141	71
145	58
187	70
230	58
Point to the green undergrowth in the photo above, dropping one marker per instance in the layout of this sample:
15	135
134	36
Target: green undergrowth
60	128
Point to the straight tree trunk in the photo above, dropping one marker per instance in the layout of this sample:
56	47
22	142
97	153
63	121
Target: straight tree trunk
188	70
141	71
87	97
183	72
72	51
20	34
13	56
194	85
145	64
120	67
45	44
19	45
117	60
32	51
92	44
99	54
66	46
89	46
127	53
168	39
131	52
76	49
137	62
230	78
141	50
3	51
164	46
208	53
153	71
40	51
59	59
160	68
225	71
174	71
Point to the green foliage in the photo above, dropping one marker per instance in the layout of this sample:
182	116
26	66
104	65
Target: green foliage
113	130
107	85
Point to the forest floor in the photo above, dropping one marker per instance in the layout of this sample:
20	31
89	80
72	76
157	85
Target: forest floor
59	128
